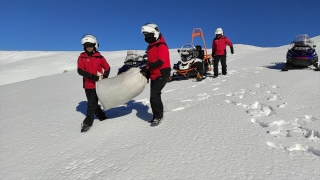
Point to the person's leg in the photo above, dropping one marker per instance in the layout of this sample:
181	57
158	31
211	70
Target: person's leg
92	106
98	112
224	64
215	66
155	96
199	66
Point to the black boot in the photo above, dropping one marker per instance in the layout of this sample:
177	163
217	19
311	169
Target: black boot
85	128
156	121
102	118
199	77
151	120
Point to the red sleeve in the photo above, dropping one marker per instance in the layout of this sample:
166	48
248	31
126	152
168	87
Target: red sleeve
228	42
80	63
105	64
213	48
163	53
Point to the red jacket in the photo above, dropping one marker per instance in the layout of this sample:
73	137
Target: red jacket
158	59
219	45
90	65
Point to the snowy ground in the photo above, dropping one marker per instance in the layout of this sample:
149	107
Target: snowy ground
255	123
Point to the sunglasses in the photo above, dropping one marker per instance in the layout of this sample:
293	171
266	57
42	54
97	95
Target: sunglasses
147	34
89	45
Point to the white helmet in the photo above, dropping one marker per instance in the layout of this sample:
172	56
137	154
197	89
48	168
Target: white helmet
132	55
219	31
89	38
151	28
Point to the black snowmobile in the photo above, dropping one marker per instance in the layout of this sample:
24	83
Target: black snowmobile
133	59
302	53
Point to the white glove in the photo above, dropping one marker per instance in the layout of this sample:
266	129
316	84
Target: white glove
99	75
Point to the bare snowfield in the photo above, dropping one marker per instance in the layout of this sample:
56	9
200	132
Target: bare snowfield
254	123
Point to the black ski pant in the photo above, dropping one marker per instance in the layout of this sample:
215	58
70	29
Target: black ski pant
156	87
199	66
223	60
93	107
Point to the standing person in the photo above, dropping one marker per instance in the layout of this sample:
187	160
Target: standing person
158	67
93	67
219	52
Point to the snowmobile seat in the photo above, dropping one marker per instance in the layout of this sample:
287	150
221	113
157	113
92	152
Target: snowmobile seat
200	51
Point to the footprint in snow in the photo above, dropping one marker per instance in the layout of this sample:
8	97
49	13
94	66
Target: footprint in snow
257	109
243	91
230	94
259	85
262	124
274	98
269	92
178	109
296	147
233	102
186	100
203	96
282	105
215	89
232	72
169	90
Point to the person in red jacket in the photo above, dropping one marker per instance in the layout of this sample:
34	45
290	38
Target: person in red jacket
219	52
93	67
158	67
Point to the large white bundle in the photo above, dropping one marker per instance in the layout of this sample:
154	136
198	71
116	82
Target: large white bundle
120	89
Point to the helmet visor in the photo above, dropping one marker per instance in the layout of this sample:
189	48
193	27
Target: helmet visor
86	45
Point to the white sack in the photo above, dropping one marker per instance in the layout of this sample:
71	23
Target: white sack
120	89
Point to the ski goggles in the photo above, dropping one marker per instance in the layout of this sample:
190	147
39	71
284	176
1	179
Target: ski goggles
89	45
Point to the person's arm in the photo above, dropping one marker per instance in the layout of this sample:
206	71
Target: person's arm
163	53
84	73
213	49
230	45
106	68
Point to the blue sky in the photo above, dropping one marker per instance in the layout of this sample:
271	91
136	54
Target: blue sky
58	25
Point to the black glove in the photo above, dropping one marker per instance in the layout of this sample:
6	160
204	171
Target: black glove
231	48
106	73
148	75
143	70
94	77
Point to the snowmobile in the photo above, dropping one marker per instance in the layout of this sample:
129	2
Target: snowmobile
133	59
302	53
191	58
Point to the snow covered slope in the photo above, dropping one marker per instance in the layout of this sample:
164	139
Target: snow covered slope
254	123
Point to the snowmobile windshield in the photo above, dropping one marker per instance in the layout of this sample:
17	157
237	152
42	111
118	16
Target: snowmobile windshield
132	55
187	52
302	40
